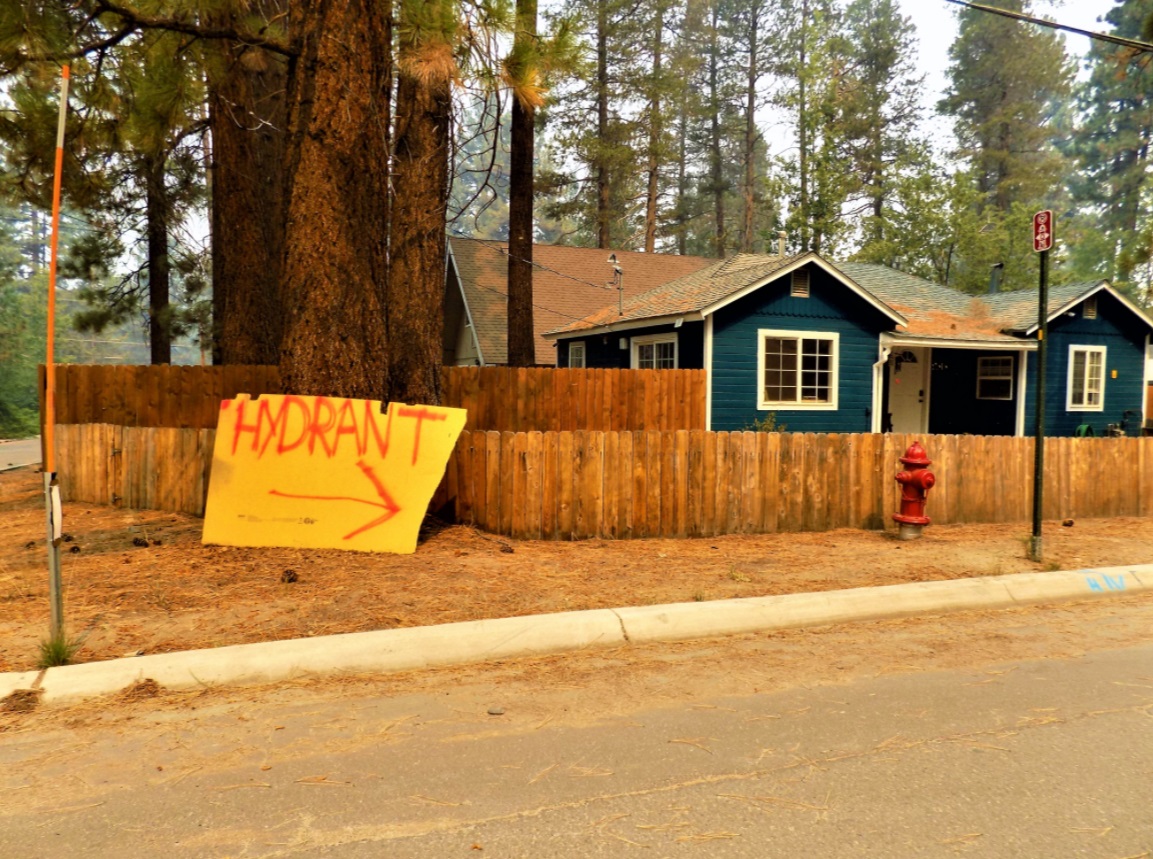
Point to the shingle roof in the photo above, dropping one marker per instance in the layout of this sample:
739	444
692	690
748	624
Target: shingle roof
565	287
688	294
933	311
1017	311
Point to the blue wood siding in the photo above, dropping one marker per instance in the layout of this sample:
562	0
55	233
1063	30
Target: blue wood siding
603	350
953	404
830	307
1123	336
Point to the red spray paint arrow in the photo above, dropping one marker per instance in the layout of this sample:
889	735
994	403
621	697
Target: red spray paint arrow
390	507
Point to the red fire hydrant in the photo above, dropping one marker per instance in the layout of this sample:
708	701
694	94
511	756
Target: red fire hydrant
916	481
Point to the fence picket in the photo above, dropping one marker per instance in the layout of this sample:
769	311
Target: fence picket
565	485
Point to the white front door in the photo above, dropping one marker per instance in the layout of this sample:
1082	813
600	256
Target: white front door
909	388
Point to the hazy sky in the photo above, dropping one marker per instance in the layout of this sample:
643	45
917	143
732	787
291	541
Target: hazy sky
936	23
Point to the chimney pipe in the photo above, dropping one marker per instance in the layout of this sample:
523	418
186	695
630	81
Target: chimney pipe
995	278
781	236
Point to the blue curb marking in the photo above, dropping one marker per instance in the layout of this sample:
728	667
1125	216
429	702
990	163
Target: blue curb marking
1111	583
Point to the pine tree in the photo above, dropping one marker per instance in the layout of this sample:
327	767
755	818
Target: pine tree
811	65
878	109
1007	80
1114	189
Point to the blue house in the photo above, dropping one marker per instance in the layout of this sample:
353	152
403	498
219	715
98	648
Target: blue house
856	347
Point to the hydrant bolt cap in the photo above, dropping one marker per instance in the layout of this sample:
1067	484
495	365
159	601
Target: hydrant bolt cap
916	455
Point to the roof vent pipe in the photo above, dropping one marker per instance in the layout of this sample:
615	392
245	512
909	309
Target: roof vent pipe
781	236
995	278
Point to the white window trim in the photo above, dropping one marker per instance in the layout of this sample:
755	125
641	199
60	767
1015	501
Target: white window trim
580	345
1078	347
1010	377
834	382
653	339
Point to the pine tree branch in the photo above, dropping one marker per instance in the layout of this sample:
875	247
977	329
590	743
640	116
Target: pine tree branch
1029	19
133	21
192	28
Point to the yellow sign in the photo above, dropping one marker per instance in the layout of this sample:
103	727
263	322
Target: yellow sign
325	472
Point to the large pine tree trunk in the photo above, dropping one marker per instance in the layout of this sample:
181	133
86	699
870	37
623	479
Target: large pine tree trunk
159	266
247	115
716	167
803	131
656	130
750	142
604	191
415	295
521	340
682	176
335	260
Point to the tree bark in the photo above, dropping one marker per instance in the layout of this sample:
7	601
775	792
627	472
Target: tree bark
803	130
656	130
248	120
521	338
336	192
752	76
604	191
716	169
415	291
159	266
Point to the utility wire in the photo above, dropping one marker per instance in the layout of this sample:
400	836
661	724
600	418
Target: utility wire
1030	19
496	291
491	243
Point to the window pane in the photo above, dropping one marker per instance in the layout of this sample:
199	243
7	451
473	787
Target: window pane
780	370
1078	394
666	358
645	356
1095	379
996	389
816	375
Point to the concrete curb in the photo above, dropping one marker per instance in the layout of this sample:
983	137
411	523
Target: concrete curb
478	641
758	614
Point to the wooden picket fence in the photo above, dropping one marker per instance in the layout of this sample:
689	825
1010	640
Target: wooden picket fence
497	398
572	485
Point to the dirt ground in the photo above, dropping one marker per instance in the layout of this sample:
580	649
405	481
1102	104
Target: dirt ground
141	582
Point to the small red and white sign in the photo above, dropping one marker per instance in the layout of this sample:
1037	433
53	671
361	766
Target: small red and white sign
1043	231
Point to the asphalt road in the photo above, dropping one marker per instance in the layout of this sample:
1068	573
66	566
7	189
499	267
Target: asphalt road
14	454
699	750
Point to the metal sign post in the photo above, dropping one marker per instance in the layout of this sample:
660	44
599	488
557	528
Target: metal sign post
51	488
1042	242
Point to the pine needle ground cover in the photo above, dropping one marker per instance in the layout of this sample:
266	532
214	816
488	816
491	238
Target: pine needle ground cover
140	581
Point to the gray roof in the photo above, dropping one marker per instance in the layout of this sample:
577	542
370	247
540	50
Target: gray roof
931	311
1017	311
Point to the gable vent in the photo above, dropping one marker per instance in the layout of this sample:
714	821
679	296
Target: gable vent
1089	308
800	287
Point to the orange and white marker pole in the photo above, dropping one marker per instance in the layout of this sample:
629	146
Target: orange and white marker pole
51	487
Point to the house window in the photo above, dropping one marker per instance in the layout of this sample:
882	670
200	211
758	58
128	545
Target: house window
995	378
797	369
800	284
655	353
1089	308
576	354
1086	387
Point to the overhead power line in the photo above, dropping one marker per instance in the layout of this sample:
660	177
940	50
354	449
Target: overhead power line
1136	44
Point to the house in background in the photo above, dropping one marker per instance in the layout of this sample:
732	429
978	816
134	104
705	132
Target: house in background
864	348
568	284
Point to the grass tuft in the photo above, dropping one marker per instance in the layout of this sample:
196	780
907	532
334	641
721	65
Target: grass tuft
58	650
